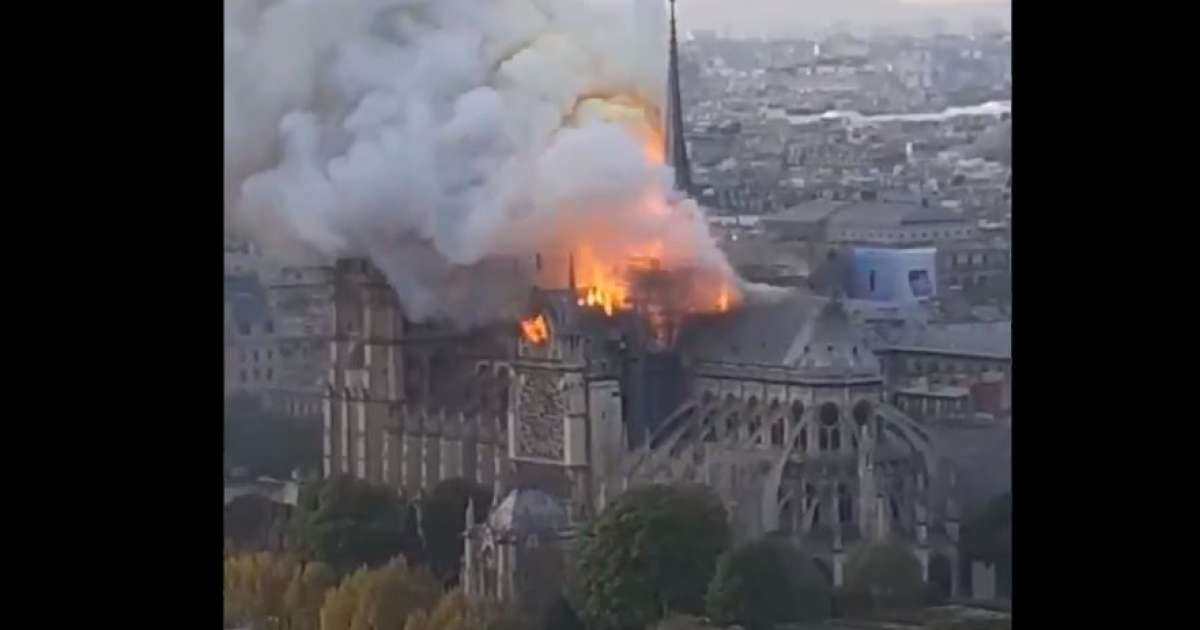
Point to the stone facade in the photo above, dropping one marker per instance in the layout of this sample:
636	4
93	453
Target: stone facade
785	413
539	417
407	405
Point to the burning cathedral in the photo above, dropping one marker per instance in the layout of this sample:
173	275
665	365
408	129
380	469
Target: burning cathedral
671	375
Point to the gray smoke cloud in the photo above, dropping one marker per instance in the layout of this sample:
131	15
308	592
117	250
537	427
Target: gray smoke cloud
431	136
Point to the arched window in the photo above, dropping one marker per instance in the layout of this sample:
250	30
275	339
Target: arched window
845	505
835	439
797	411
777	433
862	412
829	414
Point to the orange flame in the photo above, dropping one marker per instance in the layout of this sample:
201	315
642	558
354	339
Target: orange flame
535	329
605	264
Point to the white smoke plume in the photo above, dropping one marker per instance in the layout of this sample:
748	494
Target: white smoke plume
431	135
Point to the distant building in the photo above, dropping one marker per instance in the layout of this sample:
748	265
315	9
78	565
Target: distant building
977	268
250	349
267	356
896	223
893	275
920	362
807	221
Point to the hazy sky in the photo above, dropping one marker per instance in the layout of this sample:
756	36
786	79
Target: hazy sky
752	17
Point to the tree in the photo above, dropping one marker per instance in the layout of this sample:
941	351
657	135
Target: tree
382	598
442	522
883	576
767	582
454	612
346	523
306	593
266	590
561	616
653	551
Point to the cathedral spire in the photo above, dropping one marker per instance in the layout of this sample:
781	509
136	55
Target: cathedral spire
676	149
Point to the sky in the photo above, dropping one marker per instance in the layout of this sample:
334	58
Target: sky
799	17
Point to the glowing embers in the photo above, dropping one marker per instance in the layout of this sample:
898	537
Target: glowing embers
535	329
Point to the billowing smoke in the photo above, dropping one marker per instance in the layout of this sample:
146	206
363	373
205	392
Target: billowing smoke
433	136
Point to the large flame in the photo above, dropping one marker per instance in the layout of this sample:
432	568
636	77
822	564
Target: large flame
606	264
535	329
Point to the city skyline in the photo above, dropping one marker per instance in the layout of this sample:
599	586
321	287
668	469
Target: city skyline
807	17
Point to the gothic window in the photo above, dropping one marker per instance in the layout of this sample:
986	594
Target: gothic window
777	433
797	411
802	439
829	414
862	412
835	439
845	505
823	439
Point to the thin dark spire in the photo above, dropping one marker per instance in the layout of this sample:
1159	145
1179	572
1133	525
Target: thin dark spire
571	271
676	147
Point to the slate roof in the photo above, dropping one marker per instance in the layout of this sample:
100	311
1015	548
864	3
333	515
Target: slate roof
794	329
526	510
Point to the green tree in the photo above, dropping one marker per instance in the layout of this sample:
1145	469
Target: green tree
379	599
346	522
442	522
561	616
653	551
883	577
767	582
